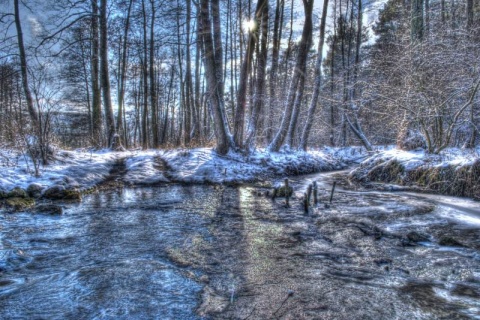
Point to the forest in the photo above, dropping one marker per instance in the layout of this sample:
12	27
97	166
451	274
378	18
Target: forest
239	159
239	75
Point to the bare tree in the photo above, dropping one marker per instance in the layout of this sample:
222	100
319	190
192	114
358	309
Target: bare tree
213	72
318	81
295	91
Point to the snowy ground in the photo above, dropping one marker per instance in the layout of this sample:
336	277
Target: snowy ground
412	160
454	172
84	169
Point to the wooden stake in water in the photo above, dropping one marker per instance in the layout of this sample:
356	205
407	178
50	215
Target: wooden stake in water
287	195
305	203
333	190
309	193
315	192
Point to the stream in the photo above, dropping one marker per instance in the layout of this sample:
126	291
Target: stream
230	252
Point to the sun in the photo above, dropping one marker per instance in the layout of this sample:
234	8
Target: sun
249	25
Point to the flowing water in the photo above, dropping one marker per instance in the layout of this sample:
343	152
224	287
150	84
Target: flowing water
220	252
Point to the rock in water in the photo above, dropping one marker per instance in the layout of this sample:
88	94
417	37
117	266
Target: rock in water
449	242
17	192
49	209
283	191
34	190
414	236
60	193
19	204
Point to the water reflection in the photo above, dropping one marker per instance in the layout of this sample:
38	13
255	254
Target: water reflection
105	258
192	252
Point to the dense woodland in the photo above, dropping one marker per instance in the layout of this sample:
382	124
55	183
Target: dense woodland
238	74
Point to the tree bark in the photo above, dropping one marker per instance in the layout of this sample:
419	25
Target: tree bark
191	110
213	65
104	74
318	81
298	73
34	117
277	32
145	81
469	14
239	123
96	93
259	98
153	87
123	70
417	21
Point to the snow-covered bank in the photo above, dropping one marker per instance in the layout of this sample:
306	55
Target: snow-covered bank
454	171
84	169
78	169
204	165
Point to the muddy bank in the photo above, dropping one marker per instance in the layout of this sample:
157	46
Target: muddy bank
462	180
365	256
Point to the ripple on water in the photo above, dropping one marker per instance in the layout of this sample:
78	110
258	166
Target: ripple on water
104	258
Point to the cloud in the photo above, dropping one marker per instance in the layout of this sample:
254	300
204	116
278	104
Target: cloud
36	27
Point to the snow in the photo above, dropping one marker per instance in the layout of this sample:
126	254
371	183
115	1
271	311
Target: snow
417	158
78	168
84	168
141	169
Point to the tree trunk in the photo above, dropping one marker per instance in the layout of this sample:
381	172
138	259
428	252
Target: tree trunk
198	50
123	70
191	110
145	81
24	70
469	14
259	98
277	31
96	93
153	87
318	81
239	123
417	21
105	76
213	66
298	73
427	17
355	125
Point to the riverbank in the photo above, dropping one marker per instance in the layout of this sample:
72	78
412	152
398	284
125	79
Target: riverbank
73	173
191	251
454	172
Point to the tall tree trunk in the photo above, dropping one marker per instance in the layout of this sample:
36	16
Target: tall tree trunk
198	50
153	87
213	65
355	125
96	93
277	37
427	17
123	71
217	42
332	76
145	81
300	67
34	117
192	115
442	5
318	81
469	14
258	99
239	123
417	21
104	74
